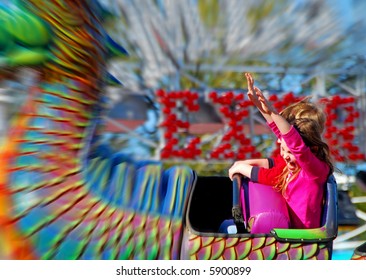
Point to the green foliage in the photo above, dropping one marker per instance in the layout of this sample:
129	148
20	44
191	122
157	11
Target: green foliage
203	168
209	11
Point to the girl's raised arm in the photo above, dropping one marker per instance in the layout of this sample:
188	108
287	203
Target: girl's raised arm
254	98
265	107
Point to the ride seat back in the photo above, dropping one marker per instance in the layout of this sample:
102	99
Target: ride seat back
263	208
329	217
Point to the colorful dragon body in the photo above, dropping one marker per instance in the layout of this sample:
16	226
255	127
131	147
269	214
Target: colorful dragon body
56	201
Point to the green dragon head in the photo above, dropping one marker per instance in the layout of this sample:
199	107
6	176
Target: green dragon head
27	39
24	37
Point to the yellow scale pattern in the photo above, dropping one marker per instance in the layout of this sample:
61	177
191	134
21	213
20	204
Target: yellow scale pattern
258	248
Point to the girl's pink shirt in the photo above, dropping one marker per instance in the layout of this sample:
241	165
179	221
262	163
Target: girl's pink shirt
304	194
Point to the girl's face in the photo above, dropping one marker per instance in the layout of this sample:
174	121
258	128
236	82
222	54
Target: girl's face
288	157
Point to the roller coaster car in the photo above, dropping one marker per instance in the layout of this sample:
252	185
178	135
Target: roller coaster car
260	229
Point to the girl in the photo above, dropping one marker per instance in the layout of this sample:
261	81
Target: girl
307	161
266	170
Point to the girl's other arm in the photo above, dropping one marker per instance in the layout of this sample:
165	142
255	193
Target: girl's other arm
261	162
268	176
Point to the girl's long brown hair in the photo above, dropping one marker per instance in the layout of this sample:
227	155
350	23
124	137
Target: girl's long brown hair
309	120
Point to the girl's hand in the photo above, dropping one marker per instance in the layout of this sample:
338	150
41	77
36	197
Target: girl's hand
256	96
240	167
265	106
251	92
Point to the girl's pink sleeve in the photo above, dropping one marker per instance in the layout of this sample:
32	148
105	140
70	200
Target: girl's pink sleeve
275	129
312	166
